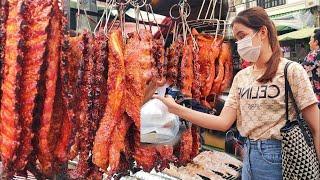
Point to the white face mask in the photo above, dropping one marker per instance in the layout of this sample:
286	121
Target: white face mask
246	49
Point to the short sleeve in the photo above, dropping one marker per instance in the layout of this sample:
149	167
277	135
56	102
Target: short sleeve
233	97
301	86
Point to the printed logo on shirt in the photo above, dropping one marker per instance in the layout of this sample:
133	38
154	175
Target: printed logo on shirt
259	92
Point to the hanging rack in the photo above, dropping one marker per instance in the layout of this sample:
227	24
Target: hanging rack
212	25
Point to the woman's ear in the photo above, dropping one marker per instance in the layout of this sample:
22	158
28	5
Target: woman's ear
264	33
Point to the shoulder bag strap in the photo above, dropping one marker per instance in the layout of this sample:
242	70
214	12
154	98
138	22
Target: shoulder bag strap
288	92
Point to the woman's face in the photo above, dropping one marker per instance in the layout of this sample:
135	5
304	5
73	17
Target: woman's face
313	43
240	31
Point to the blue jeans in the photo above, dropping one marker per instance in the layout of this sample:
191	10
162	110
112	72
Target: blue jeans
262	160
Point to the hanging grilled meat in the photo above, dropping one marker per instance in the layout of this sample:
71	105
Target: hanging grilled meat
159	57
186	69
184	149
226	54
139	64
196	86
196	144
11	87
72	48
51	114
118	144
145	156
113	111
174	57
37	19
3	19
166	156
215	89
86	123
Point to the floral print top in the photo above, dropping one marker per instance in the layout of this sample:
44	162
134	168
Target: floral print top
311	64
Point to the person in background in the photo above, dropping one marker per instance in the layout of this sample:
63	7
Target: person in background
311	63
256	98
302	53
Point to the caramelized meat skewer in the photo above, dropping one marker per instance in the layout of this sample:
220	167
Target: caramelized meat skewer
86	122
196	86
187	75
196	144
51	114
159	57
72	48
174	56
36	44
11	87
165	154
3	19
145	156
185	147
113	111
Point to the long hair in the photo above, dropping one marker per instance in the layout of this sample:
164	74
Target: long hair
255	18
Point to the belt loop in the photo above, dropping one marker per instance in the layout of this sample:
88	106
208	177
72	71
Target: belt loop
248	157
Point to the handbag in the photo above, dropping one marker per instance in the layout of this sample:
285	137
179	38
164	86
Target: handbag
299	158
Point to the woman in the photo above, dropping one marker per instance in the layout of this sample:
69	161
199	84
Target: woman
256	98
312	63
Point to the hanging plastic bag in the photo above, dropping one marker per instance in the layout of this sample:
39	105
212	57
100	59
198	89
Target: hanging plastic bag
157	124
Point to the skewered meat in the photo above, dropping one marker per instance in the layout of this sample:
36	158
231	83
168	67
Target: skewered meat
228	67
165	154
145	156
174	56
37	19
186	70
51	114
113	111
11	87
118	144
86	122
159	57
185	147
3	19
196	144
196	86
72	48
200	170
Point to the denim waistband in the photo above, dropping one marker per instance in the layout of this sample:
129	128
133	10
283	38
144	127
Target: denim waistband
253	144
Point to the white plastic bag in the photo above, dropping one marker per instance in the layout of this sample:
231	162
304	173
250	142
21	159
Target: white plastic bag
157	124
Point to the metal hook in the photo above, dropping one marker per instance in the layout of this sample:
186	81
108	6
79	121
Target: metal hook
170	12
121	3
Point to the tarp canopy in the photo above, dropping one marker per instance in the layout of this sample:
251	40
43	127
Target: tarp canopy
300	34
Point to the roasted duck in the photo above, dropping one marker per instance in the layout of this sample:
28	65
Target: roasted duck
226	56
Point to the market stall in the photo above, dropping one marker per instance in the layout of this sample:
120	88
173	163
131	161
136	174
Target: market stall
71	100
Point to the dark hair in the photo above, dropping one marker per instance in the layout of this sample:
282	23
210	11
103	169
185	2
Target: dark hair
255	18
316	35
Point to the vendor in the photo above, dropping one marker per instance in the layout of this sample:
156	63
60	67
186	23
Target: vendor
256	98
311	62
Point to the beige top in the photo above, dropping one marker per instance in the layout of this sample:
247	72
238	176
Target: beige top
261	107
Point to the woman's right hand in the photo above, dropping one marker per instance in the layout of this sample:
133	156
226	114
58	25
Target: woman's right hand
168	101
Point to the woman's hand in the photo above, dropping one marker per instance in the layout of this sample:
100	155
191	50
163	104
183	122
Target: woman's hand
168	101
152	87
